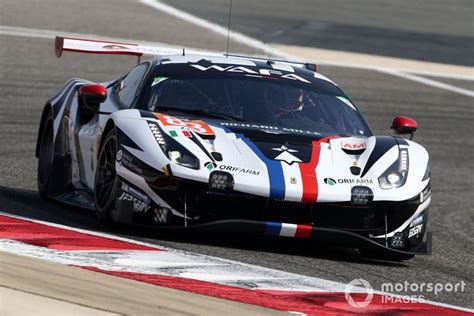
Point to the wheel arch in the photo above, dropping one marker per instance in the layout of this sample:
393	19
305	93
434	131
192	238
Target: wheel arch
108	126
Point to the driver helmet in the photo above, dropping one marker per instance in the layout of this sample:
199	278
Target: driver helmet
282	101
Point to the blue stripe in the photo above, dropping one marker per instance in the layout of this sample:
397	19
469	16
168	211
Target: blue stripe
275	171
273	228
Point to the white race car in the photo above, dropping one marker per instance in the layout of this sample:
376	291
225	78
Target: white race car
232	143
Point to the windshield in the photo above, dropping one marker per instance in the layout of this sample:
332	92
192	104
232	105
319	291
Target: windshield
258	101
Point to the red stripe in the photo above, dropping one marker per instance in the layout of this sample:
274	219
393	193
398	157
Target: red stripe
303	231
58	238
310	303
308	175
308	172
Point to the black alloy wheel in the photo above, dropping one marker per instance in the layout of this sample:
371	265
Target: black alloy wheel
106	181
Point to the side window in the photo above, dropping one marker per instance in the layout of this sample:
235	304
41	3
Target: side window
128	86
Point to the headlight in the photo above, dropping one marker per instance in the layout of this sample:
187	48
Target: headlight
175	152
396	175
183	158
394	178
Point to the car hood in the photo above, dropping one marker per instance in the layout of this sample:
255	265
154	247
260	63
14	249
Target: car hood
292	165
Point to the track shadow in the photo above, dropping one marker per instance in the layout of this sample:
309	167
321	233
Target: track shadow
27	203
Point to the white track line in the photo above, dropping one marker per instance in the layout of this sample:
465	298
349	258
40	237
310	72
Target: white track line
191	265
51	34
238	37
254	43
429	82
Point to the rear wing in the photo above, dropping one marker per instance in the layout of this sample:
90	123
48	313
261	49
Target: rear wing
81	45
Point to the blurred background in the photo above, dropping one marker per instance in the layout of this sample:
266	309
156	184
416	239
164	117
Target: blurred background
404	57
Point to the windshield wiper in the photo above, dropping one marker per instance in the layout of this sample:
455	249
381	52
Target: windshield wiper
200	112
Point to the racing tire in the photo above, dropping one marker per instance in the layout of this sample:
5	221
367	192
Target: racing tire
106	180
45	156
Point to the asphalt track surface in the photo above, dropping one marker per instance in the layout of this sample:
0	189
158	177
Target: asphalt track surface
30	74
437	30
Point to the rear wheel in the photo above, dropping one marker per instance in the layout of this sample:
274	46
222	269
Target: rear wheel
45	156
106	181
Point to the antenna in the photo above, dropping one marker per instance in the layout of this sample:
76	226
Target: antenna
228	28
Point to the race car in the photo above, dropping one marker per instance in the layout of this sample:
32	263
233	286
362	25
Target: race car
255	146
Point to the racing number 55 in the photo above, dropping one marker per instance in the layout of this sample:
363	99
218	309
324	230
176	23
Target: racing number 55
198	126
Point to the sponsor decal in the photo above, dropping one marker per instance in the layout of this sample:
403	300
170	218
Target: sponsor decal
329	181
253	72
114	47
138	206
353	146
128	161
198	126
354	181
353	149
286	154
415	230
239	170
210	165
270	129
141	202
173	133
293	180
135	192
119	155
299	131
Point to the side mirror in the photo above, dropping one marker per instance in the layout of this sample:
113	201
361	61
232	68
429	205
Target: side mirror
93	94
404	125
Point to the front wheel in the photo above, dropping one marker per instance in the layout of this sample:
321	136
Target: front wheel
106	181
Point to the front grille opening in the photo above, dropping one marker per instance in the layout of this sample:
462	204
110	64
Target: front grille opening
207	204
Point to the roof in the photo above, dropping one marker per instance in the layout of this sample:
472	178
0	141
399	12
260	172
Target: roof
197	65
